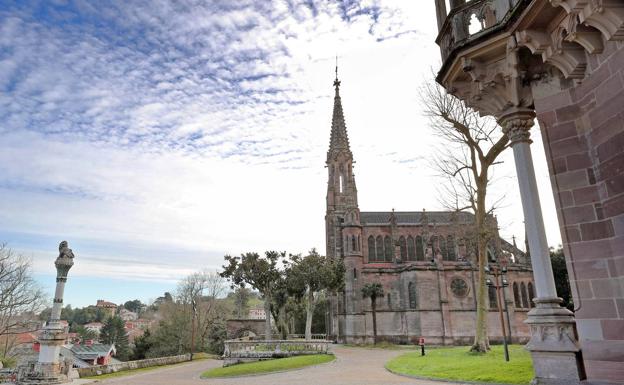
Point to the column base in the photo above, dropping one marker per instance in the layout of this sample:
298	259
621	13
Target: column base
43	374
554	346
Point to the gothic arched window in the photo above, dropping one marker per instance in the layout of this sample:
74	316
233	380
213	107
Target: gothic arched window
380	248
388	248
389	296
531	294
450	246
411	249
371	249
434	246
411	293
516	293
525	302
353	244
420	250
442	243
492	297
403	247
359	243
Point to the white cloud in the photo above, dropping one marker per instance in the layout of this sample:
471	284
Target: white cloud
192	131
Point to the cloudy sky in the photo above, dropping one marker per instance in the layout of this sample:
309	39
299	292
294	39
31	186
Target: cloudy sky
157	136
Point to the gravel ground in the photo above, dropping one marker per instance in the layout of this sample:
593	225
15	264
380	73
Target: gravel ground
355	366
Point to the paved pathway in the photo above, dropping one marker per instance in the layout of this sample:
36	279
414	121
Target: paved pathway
353	366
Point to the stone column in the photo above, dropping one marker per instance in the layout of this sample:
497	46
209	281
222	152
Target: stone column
48	369
440	12
554	343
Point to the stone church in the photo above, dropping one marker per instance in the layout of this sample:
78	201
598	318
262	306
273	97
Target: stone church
423	259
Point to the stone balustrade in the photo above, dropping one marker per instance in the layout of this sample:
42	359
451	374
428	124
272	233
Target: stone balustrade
302	336
472	19
246	351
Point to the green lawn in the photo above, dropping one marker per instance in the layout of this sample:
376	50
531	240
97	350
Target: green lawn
261	367
458	364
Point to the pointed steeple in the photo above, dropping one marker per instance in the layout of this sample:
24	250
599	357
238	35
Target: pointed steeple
339	140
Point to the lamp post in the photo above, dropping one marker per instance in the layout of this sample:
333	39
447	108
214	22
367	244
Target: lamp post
194	306
499	284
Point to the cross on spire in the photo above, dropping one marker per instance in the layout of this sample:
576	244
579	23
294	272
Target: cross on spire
336	81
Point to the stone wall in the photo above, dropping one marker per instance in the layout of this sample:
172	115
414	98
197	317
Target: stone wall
440	316
129	365
583	133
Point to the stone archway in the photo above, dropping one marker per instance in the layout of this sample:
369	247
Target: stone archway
237	328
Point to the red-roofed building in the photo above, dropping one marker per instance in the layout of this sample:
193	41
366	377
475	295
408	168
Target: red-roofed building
108	307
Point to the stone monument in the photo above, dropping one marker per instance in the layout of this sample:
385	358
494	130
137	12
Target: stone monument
49	369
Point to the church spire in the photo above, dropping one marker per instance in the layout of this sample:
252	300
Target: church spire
339	140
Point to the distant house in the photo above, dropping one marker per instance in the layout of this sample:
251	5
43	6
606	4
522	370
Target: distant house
128	315
94	326
89	354
140	323
133	334
256	313
109	307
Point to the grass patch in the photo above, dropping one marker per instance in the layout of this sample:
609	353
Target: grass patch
268	366
460	365
121	373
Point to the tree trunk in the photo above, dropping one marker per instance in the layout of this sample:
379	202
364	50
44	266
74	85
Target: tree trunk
481	343
283	326
267	320
309	315
374	308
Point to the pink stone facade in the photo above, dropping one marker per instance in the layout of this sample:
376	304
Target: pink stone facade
424	260
583	133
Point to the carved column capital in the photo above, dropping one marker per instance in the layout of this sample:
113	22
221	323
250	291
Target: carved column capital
517	124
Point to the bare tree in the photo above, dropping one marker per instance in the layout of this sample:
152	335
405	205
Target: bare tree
20	297
199	293
472	147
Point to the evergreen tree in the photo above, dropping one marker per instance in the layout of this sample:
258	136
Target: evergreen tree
134	306
142	345
310	277
560	272
114	332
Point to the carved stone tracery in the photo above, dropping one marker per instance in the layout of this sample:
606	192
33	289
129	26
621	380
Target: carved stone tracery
579	33
607	16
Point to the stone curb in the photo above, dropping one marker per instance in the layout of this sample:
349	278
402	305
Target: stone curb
444	380
95	379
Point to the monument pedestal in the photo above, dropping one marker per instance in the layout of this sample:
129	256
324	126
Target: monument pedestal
554	344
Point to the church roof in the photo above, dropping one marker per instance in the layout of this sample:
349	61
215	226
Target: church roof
339	139
414	217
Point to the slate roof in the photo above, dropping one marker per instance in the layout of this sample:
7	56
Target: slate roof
76	362
413	217
85	352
